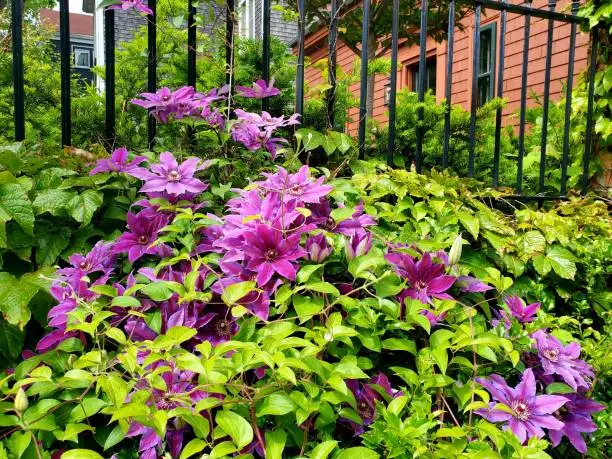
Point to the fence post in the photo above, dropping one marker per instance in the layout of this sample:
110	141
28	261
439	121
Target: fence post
363	94
191	45
546	100
523	110
500	93
474	105
568	100
109	77
450	45
299	85
229	44
591	99
393	82
18	85
152	66
331	63
265	102
422	82
65	71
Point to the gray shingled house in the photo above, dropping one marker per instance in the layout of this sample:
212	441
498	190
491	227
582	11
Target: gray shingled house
250	21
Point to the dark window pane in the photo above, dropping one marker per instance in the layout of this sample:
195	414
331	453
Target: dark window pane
430	79
485	51
484	88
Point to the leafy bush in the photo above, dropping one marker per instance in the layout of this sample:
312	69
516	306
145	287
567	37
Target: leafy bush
48	211
291	327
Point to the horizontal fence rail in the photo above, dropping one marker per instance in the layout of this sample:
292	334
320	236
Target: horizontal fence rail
479	7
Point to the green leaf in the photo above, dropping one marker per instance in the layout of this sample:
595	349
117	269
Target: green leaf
83	206
81	454
53	201
323	450
233	293
11	341
193	447
15	295
305	307
51	245
559	388
323	287
15	204
542	265
358	452
400	344
88	407
10	157
469	222
125	302
276	404
236	427
562	261
114	437
275	443
158	291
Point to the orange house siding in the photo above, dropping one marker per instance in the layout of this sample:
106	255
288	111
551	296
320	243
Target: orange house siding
316	49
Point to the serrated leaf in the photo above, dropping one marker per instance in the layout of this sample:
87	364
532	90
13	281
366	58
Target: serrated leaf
83	206
14	203
51	245
53	201
562	261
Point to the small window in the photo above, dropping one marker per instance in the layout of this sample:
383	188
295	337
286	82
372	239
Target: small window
430	78
82	57
486	67
387	99
246	18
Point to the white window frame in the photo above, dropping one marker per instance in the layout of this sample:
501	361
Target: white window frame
246	18
76	49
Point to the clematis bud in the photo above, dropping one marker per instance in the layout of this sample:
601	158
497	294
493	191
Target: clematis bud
21	401
359	244
317	248
455	252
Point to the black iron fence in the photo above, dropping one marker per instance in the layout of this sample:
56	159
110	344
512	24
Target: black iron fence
525	9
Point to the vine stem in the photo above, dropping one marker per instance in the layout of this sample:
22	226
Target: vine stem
256	427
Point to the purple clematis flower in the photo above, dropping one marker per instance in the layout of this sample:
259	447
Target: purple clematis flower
99	259
318	249
259	90
118	162
269	252
298	186
563	361
524	314
366	397
469	284
140	239
576	417
171	177
359	244
181	391
528	413
138	5
427	279
166	103
434	319
356	223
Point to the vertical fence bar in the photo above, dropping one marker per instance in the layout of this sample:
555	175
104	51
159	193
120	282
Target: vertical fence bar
191	44
65	70
109	77
299	84
500	93
331	63
393	81
18	85
152	66
568	99
449	80
591	99
546	99
265	102
230	22
474	105
363	93
422	79
523	109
